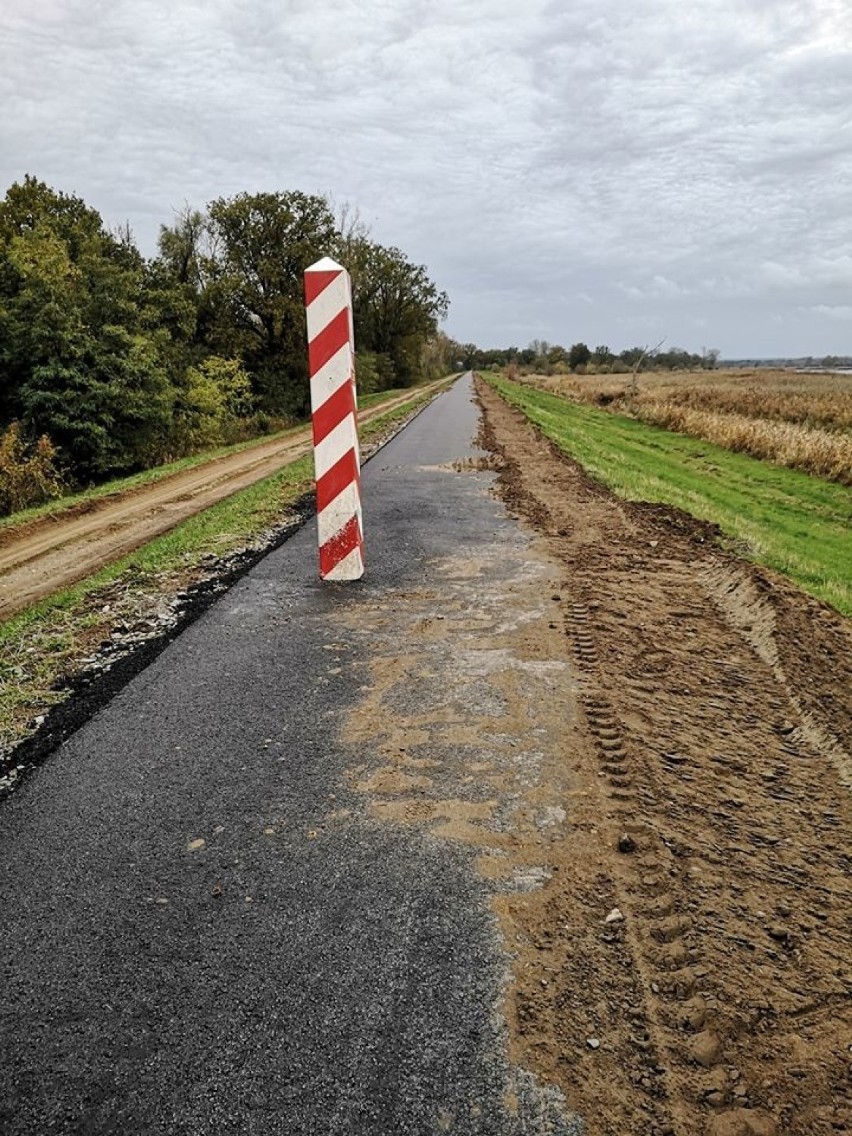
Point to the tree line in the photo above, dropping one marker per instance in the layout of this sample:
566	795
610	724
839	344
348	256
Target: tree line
111	362
546	358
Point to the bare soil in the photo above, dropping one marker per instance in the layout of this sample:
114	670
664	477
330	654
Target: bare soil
51	553
646	744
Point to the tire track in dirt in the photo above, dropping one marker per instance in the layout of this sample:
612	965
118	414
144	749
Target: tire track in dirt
54	552
726	814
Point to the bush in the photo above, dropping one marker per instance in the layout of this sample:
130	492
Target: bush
216	406
373	372
28	473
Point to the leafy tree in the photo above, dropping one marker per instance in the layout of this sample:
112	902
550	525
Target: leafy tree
183	248
261	245
578	356
76	363
28	473
117	361
632	356
440	355
396	308
216	398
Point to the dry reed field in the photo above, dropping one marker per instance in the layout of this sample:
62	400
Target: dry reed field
803	421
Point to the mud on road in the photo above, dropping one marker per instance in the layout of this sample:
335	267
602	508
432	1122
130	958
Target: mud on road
646	743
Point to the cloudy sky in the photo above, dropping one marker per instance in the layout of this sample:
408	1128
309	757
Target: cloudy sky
616	171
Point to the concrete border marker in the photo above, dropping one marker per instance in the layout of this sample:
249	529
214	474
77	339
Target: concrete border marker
334	406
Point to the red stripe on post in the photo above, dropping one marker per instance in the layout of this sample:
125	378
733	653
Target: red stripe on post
335	480
316	282
328	292
329	341
333	411
339	546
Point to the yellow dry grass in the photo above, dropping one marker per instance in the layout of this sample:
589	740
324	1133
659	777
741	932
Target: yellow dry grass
802	421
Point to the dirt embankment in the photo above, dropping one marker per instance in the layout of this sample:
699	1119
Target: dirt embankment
717	727
645	744
52	553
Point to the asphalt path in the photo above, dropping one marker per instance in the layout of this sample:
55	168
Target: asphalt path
281	977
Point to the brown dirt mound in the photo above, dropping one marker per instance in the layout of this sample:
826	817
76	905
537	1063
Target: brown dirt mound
716	708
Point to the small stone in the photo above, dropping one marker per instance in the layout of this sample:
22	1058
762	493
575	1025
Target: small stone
552	815
693	1014
704	1048
742	1122
593	1043
196	845
626	843
614	916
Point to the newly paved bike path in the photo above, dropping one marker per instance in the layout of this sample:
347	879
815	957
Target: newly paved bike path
285	976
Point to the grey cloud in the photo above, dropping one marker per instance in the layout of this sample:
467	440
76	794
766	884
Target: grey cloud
604	171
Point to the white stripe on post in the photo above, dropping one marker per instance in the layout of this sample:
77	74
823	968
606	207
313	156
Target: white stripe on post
337	461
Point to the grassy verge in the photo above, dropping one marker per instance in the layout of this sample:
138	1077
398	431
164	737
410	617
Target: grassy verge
134	481
791	522
158	473
52	639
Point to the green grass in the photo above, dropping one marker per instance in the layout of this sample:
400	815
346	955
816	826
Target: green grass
133	481
789	521
220	529
149	476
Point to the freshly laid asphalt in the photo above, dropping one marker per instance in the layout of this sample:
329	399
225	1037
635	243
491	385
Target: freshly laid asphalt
272	980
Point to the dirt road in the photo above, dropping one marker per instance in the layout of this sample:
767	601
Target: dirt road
52	553
711	809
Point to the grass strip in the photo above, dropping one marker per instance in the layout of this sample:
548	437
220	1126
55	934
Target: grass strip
149	476
790	521
51	639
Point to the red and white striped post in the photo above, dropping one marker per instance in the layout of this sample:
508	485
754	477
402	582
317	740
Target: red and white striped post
337	459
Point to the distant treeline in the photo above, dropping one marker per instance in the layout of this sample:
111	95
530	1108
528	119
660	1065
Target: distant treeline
111	362
800	363
551	358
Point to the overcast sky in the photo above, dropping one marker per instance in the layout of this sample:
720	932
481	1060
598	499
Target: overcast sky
613	171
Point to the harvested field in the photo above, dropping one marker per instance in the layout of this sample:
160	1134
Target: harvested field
802	421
